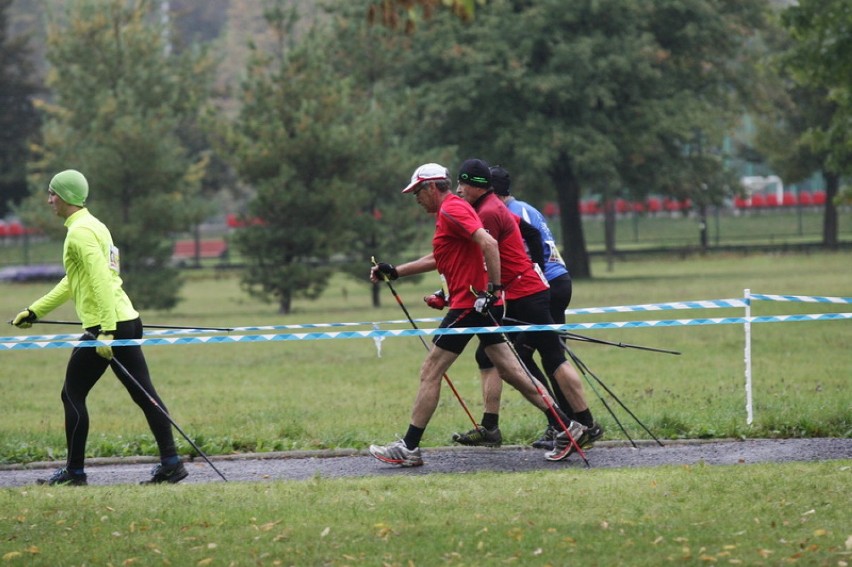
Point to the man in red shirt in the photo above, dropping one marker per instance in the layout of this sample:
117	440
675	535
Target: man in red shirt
527	295
466	256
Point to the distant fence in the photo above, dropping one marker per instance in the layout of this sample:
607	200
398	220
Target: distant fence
191	336
658	228
661	204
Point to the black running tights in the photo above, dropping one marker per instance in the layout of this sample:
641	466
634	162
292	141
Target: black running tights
85	367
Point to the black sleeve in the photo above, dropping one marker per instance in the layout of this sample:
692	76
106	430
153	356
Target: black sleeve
532	237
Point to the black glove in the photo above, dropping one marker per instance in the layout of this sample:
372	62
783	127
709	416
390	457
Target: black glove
484	301
387	270
437	300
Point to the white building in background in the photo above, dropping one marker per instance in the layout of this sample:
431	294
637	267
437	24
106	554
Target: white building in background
758	184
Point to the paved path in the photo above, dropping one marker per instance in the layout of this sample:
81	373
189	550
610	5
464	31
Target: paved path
337	464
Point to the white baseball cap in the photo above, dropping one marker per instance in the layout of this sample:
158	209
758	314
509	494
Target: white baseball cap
427	172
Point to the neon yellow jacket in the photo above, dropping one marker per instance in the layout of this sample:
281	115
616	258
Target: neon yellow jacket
92	278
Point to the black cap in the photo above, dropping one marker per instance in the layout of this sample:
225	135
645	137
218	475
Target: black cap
500	181
475	172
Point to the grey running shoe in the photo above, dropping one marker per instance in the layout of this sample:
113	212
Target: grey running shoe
593	433
397	453
480	437
563	446
64	477
167	473
546	441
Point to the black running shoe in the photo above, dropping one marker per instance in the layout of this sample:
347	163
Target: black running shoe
167	473
64	477
593	433
479	437
547	439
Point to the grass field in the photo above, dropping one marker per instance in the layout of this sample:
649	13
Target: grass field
339	393
698	515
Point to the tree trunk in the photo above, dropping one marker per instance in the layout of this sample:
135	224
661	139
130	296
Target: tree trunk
196	238
609	231
284	304
573	241
829	222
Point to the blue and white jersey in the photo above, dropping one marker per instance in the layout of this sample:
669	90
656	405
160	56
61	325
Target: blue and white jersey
554	265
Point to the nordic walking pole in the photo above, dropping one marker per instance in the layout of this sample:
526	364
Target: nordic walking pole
583	338
116	364
584	369
124	371
413	324
600	397
578	363
535	385
180	327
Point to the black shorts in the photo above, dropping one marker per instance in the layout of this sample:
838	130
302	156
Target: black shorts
531	310
465	318
560	297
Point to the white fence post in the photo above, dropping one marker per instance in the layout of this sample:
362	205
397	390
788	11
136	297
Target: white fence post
747	329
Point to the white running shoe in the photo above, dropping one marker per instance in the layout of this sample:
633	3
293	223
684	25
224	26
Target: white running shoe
563	446
397	453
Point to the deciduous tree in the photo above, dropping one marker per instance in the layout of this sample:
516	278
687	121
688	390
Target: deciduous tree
585	95
820	119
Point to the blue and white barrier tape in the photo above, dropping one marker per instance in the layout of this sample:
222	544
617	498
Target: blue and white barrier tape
801	298
323	325
701	304
191	331
183	340
707	304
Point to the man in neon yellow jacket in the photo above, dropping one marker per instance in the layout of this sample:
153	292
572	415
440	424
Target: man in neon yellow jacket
93	282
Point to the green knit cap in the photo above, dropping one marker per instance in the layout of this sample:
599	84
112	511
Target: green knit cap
71	186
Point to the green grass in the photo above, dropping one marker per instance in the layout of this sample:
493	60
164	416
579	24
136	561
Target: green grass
338	393
691	515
